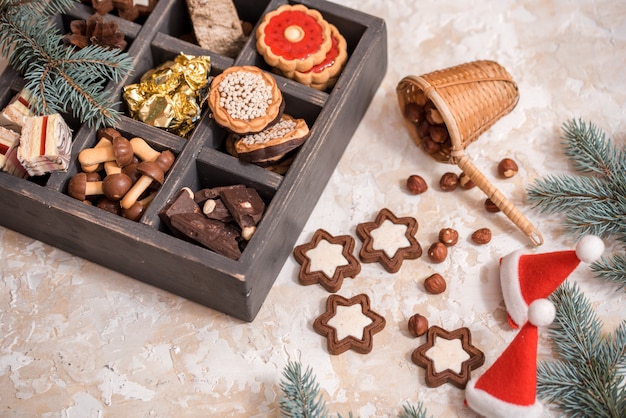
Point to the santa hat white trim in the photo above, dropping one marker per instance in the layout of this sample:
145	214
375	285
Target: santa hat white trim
511	289
491	407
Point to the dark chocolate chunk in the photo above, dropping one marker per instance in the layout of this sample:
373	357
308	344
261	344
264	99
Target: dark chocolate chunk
182	203
202	195
215	209
245	205
215	235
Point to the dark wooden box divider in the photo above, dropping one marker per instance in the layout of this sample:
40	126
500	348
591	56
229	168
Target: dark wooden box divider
146	250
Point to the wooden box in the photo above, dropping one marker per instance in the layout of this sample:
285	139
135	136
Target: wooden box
145	250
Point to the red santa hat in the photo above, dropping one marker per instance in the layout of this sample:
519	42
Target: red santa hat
528	277
508	389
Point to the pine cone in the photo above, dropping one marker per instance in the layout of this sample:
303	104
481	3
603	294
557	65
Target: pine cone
95	31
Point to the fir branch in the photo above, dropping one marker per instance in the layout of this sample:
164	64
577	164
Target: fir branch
410	411
60	78
590	151
554	194
611	269
593	204
588	379
302	397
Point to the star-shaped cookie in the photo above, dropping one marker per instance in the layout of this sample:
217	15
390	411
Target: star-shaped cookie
327	260
448	356
344	318
389	240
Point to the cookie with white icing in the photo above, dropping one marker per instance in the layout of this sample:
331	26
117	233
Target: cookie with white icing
327	260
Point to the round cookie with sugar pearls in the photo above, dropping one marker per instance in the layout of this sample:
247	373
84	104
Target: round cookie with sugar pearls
245	100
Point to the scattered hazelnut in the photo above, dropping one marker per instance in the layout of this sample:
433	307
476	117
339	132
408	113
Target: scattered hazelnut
490	206
465	182
481	236
448	236
435	284
418	325
507	168
416	184
449	181
437	252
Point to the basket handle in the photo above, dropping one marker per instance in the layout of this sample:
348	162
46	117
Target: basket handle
499	199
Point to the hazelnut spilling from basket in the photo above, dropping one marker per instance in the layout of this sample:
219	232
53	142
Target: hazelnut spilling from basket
446	110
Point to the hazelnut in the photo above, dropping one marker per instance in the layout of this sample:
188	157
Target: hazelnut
413	112
449	181
481	236
418	325
465	182
423	128
435	284
507	168
448	236
490	206
433	116
438	133
437	252
416	184
430	146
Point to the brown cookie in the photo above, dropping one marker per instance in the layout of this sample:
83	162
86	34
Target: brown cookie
245	99
383	232
442	345
273	142
340	327
322	262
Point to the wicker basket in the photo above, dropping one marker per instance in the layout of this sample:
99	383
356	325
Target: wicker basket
469	99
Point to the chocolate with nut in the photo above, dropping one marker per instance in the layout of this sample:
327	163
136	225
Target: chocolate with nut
215	235
246	207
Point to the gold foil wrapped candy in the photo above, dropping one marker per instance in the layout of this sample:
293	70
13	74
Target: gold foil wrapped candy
171	96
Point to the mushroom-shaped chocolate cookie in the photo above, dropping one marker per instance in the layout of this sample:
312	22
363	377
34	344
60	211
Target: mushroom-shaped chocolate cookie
120	151
131	171
79	188
108	205
103	142
135	211
143	150
165	160
150	171
116	185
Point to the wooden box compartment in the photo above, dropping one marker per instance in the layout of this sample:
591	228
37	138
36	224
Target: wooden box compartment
146	250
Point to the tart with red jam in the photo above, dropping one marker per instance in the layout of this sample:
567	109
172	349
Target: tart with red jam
293	38
324	74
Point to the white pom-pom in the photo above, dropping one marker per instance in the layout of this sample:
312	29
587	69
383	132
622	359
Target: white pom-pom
541	312
589	248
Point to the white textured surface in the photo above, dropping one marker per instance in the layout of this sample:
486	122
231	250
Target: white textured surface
78	340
